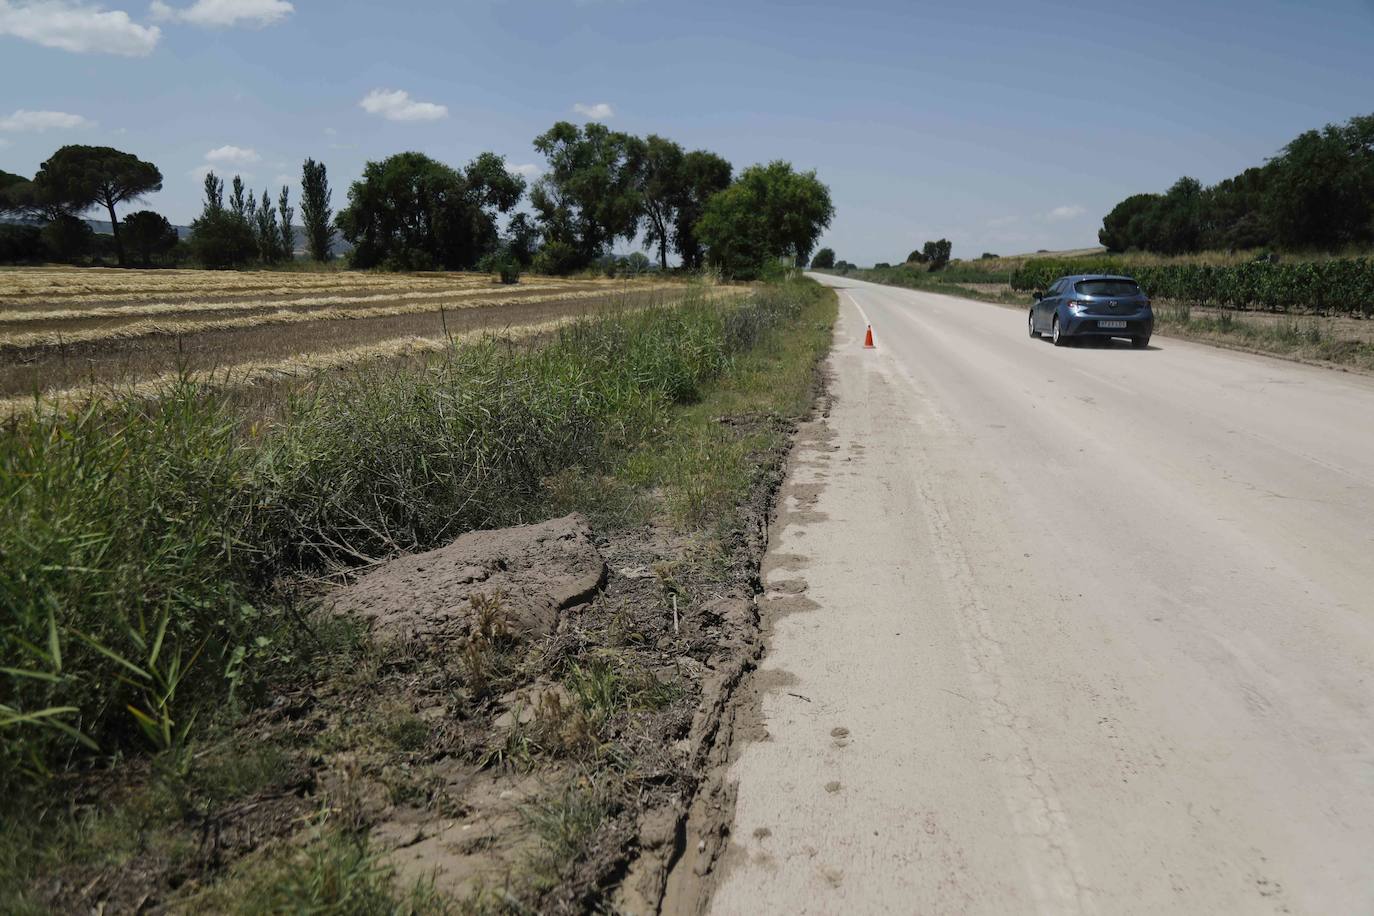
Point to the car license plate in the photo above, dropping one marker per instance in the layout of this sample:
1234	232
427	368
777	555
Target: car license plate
1111	324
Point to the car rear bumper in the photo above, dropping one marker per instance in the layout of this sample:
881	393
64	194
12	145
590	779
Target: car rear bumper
1091	326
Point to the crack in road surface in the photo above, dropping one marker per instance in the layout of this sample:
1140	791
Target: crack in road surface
1061	649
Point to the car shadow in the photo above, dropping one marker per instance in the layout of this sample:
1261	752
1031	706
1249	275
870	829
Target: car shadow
1104	343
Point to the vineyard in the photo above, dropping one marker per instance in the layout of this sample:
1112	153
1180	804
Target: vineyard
1338	286
65	332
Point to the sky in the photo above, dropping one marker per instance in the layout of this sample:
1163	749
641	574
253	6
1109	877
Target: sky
1004	126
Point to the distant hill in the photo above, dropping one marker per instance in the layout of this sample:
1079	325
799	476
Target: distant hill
339	247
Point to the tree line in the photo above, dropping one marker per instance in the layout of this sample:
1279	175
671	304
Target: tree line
1317	194
412	212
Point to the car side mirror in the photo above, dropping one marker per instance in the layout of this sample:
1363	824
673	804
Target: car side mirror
1037	295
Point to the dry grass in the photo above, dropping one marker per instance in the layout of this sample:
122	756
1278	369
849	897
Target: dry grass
65	333
154	309
253	373
280	314
20	285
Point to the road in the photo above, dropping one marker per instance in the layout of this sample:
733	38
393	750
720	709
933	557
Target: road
1064	631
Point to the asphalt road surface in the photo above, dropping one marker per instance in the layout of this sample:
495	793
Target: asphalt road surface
1064	631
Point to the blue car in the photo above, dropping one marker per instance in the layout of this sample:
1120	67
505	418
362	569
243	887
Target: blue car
1093	305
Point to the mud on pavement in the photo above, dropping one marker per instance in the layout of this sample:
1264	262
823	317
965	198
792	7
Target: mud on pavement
705	835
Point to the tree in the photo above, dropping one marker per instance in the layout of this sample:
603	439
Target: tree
267	231
916	257
1318	192
590	196
69	238
149	234
12	192
1321	188
81	177
661	188
240	200
221	238
214	192
410	212
824	259
936	254
522	238
288	231
704	174
770	213
21	244
316	214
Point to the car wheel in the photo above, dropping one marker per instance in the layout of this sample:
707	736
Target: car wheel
1060	340
1140	343
1031	323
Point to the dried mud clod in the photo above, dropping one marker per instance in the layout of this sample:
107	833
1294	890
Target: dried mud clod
535	572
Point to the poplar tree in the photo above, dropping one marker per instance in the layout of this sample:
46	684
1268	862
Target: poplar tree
288	232
315	209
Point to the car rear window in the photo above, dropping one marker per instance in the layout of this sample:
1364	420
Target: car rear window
1107	288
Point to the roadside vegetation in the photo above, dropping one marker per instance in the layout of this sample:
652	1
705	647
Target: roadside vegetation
1317	309
161	558
409	211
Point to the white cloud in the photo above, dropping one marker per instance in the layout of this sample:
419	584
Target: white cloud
1071	211
233	155
79	28
528	169
200	171
4	143
44	120
598	112
397	105
223	13
282	179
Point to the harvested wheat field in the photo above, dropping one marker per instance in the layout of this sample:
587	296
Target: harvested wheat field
64	332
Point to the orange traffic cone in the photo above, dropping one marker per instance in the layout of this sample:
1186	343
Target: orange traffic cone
868	339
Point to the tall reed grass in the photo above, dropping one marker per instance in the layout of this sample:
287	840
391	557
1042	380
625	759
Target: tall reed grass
144	543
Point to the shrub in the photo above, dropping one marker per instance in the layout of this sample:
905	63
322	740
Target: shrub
824	259
21	244
556	259
220	240
503	263
69	239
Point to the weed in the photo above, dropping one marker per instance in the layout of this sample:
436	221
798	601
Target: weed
565	825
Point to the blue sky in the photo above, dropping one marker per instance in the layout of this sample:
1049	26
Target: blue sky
1004	126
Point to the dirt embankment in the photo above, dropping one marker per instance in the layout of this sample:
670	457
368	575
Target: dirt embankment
533	714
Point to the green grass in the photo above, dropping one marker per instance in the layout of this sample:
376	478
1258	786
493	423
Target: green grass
334	873
1304	338
143	546
140	541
